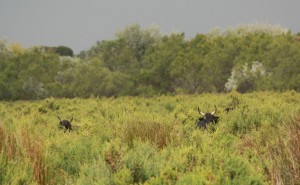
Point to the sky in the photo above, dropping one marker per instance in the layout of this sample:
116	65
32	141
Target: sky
79	24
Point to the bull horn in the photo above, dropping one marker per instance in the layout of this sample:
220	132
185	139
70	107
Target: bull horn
202	113
214	110
59	118
71	120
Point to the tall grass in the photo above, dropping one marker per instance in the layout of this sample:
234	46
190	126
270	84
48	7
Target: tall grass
154	132
22	158
136	140
283	152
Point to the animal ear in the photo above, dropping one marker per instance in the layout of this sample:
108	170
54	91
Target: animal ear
59	118
71	119
215	111
203	114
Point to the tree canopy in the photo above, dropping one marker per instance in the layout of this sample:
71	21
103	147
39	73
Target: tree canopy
143	61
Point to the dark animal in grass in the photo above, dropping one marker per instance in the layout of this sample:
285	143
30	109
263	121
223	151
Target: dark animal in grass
65	123
207	118
228	109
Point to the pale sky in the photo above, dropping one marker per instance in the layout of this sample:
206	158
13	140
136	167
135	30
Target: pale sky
78	24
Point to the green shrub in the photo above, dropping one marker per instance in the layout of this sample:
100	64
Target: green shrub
138	140
95	172
142	162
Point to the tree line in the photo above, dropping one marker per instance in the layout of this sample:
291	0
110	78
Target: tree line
145	62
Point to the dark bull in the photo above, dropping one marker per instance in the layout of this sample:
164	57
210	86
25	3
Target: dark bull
65	123
207	118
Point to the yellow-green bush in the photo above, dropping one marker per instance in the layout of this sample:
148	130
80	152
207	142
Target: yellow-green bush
131	140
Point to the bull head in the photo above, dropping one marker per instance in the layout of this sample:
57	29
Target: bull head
65	123
207	118
212	113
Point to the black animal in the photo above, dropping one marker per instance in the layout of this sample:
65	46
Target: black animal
207	118
66	124
228	109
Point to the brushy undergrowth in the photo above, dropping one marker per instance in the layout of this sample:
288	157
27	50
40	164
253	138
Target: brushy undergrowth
136	140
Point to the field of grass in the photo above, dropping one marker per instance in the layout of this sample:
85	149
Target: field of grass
135	140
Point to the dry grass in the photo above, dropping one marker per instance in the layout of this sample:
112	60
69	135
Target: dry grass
283	151
34	148
8	144
20	147
154	132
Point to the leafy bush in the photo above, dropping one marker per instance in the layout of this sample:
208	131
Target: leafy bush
138	140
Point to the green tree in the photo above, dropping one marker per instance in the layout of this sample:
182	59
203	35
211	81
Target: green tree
186	70
63	51
156	71
116	56
282	64
138	39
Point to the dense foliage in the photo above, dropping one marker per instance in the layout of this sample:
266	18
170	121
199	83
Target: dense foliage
136	140
138	61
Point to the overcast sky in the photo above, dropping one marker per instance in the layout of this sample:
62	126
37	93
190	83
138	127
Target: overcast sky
78	24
